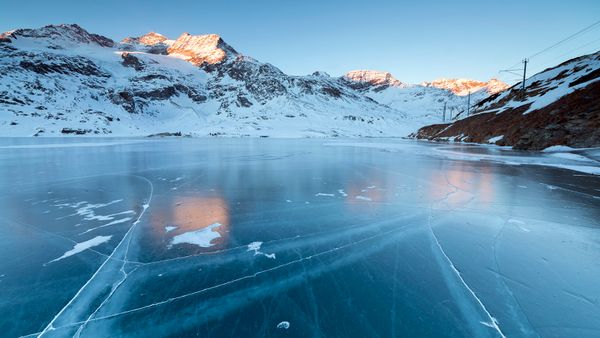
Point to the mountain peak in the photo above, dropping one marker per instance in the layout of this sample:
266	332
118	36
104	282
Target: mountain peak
69	32
201	49
149	39
462	87
373	77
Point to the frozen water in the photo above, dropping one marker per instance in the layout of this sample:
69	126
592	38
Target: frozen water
419	239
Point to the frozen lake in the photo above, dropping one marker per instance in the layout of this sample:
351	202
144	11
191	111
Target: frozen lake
296	238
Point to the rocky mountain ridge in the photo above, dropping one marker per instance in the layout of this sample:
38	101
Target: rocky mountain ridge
60	79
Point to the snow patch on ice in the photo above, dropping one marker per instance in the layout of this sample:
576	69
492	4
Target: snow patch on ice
170	228
363	198
342	192
324	194
79	247
283	325
202	237
117	221
255	246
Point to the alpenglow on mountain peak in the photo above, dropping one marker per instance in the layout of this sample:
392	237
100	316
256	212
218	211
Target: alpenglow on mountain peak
463	87
149	39
199	49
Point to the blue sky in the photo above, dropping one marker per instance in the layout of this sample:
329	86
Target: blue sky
416	41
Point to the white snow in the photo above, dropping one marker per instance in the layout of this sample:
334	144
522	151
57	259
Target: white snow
170	228
558	148
324	194
202	237
255	246
80	247
363	198
283	325
507	157
495	139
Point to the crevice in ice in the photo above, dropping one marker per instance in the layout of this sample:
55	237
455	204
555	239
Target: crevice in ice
126	240
301	260
492	323
517	311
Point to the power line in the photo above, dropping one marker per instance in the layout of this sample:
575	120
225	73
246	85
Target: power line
558	43
576	49
565	39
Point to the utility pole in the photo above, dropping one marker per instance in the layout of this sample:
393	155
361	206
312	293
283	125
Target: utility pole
524	74
444	118
469	104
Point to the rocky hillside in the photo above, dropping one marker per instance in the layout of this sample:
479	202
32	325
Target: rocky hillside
61	80
560	106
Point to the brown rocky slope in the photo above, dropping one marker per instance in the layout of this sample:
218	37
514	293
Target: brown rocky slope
560	106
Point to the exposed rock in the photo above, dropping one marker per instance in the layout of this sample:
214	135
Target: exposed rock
166	134
201	49
124	99
75	131
131	61
64	65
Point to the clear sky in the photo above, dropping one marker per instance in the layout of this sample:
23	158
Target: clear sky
415	41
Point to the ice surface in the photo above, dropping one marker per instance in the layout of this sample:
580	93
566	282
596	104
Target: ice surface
454	240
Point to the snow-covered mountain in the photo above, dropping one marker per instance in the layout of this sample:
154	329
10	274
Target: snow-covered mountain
60	79
463	87
560	106
422	103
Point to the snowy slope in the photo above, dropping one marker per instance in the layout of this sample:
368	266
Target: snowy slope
62	80
559	106
425	102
